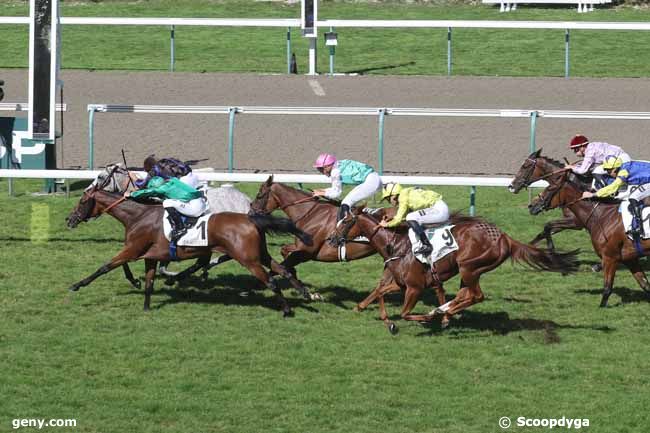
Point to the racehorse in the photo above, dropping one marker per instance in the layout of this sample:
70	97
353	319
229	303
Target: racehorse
117	178
536	167
603	222
482	247
240	236
313	216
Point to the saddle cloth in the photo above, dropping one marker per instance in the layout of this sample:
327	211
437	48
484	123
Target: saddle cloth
196	236
441	239
626	215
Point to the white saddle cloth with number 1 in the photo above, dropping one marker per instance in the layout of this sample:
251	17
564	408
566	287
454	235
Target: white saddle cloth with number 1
626	215
196	236
441	239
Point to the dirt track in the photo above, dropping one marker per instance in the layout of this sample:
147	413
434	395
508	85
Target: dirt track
427	145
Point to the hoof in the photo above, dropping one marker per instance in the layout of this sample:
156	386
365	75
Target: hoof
316	297
603	304
392	328
357	309
597	267
137	284
74	288
444	324
170	281
288	313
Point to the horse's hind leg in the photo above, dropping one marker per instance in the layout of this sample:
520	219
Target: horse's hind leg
150	275
635	267
260	273
609	271
281	270
129	276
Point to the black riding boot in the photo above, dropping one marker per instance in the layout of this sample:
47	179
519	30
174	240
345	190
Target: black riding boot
344	210
426	245
178	226
635	208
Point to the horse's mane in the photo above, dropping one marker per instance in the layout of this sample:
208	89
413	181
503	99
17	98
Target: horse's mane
306	194
552	161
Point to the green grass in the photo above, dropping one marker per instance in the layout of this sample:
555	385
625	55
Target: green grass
206	359
367	51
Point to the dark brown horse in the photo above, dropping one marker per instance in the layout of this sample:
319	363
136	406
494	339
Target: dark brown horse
534	168
240	236
603	222
313	216
482	247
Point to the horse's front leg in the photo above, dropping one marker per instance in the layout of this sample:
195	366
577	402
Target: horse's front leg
609	271
386	285
150	275
129	276
123	257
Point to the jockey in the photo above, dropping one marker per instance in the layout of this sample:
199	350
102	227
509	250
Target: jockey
633	173
425	207
594	154
348	172
178	199
167	168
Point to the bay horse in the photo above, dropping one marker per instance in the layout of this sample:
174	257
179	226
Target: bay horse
602	220
536	167
311	215
240	236
482	248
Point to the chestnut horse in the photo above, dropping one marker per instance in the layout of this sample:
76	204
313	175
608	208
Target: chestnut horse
240	236
603	222
536	167
482	247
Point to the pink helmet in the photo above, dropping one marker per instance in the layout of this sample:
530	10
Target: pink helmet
324	159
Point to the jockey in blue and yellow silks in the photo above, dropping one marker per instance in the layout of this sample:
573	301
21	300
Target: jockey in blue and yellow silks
347	172
425	207
636	174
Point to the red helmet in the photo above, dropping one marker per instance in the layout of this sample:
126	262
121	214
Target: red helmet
578	141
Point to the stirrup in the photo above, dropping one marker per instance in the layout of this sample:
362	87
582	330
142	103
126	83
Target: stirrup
425	250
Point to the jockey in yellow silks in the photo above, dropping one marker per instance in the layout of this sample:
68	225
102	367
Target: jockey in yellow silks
415	206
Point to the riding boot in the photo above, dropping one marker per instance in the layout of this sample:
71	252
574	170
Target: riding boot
635	208
344	210
426	245
178	226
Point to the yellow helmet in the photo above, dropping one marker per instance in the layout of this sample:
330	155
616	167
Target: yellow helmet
612	162
391	189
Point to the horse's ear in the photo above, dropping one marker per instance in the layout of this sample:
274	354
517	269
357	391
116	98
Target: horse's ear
536	154
358	210
269	181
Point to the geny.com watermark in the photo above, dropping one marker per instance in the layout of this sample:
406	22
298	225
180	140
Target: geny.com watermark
39	423
564	422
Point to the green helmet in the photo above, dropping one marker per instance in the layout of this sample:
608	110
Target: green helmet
155	182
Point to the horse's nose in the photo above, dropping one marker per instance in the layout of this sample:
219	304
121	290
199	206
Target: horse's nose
511	188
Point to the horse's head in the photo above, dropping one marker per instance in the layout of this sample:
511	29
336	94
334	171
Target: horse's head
265	201
552	196
529	172
85	209
114	178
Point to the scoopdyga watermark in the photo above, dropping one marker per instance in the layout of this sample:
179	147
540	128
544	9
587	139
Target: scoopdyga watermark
545	423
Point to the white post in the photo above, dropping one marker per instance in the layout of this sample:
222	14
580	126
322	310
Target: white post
312	56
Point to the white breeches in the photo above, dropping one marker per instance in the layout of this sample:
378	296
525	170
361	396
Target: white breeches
192	208
438	213
362	191
190	179
639	192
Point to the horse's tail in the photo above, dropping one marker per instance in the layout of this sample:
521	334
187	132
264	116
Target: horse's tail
544	259
268	223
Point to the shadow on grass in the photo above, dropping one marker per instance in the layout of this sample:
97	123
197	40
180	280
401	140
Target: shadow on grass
500	323
627	296
224	289
338	295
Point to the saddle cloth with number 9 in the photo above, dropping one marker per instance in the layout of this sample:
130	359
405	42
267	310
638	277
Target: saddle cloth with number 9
196	236
441	239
